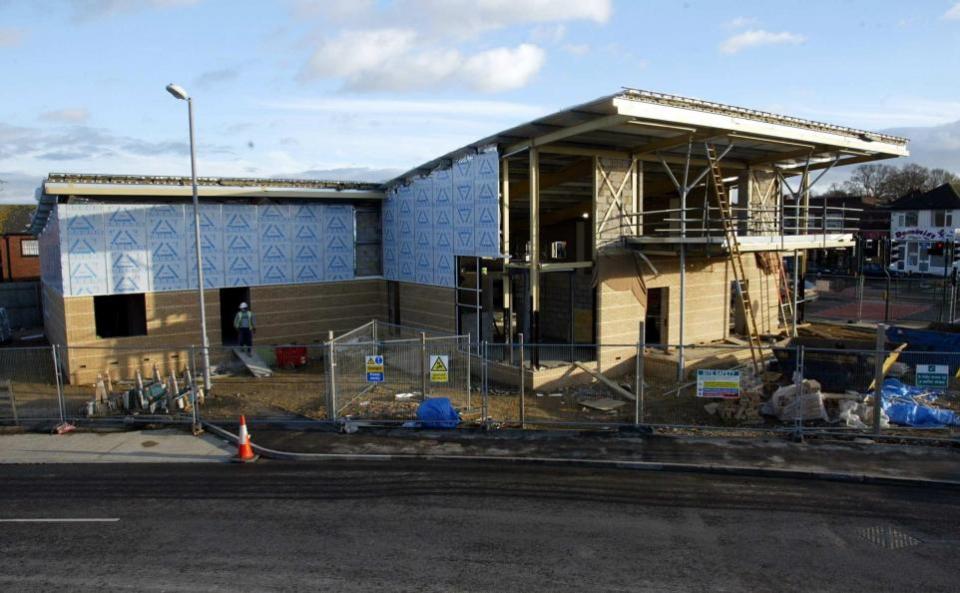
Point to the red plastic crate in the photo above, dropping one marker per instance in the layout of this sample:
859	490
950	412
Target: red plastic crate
291	357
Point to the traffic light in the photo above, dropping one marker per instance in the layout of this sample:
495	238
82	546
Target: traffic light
896	254
936	248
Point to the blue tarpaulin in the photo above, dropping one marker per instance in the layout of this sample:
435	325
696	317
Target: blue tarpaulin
897	401
438	412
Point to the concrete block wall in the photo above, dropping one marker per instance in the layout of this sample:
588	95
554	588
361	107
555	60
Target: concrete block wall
708	298
428	307
292	314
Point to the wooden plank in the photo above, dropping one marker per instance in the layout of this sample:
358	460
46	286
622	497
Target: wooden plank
254	363
600	377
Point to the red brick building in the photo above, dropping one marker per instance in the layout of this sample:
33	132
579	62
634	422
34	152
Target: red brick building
19	251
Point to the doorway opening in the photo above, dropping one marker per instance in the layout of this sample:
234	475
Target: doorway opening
230	299
655	322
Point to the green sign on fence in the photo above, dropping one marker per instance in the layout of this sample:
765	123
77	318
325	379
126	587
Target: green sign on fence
936	376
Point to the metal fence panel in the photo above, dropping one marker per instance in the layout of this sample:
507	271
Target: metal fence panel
295	388
894	299
407	377
519	384
116	382
28	386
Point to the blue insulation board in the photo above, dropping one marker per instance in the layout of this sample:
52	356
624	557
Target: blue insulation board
451	212
99	249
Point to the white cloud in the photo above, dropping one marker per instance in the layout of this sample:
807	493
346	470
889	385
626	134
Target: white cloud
577	49
400	107
398	60
472	17
503	68
91	9
954	13
338	10
354	53
741	22
18	187
757	38
900	111
409	45
548	33
454	18
11	37
74	115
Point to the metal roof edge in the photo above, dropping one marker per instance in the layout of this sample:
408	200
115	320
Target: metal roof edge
755	114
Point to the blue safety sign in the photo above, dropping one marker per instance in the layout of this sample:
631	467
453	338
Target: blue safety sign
374	366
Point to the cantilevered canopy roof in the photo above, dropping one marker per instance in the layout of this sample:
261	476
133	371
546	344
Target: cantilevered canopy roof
656	125
153	188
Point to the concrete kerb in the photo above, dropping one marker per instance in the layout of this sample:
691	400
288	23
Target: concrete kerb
717	469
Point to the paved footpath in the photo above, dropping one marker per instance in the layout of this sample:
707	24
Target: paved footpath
137	446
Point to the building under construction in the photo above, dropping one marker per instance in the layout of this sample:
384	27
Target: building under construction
634	210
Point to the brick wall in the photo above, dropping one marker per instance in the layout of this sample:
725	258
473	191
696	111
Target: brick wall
17	266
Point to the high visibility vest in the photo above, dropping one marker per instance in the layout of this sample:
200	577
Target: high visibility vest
244	319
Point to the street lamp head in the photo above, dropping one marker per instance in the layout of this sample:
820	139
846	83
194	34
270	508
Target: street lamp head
178	92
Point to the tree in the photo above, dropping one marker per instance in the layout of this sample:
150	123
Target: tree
870	180
940	176
888	183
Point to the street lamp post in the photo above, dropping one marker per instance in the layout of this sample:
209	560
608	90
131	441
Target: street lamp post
179	93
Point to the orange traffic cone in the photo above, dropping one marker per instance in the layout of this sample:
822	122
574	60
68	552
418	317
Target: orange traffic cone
244	450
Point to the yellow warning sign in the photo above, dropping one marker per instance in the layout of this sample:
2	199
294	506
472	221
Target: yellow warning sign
439	368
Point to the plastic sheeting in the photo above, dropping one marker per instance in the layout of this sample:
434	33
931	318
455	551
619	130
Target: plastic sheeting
900	403
438	412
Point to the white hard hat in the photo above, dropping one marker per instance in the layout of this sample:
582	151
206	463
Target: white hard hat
243	305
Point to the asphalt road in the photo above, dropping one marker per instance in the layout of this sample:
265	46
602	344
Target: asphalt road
439	527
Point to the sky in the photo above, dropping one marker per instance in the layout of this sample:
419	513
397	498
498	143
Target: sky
366	89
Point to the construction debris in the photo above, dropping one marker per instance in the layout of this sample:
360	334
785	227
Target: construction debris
786	406
855	414
747	406
159	395
611	384
603	405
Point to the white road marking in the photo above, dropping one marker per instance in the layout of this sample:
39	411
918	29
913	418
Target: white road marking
65	520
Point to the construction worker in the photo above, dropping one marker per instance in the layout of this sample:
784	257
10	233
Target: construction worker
246	326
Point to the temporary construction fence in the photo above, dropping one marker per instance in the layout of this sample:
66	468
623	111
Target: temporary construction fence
881	299
389	379
358	378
